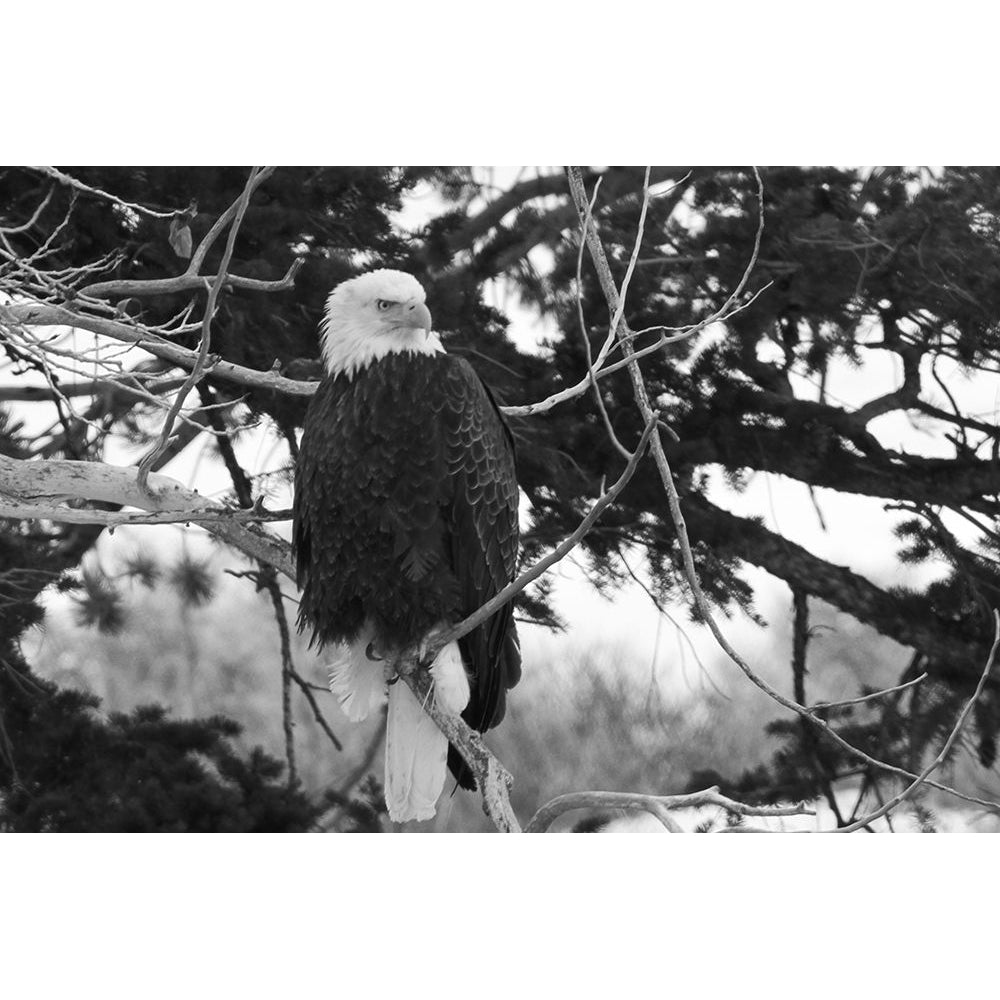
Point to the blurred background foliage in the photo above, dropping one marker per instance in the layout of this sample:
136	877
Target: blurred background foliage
853	264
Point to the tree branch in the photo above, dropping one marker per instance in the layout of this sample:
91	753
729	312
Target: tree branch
54	481
659	805
197	370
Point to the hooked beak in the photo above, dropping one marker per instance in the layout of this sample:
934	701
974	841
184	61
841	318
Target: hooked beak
418	317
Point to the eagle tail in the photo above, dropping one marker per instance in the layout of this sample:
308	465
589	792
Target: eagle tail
415	754
415	749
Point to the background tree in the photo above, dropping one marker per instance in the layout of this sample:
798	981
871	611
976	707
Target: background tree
851	263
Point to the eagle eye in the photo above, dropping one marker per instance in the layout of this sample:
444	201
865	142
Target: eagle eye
382	304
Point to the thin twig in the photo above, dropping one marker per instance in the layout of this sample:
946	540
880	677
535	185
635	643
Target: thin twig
306	688
269	579
945	750
598	398
197	371
827	705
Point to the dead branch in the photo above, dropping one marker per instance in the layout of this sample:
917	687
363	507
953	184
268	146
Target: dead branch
659	805
198	369
827	705
190	283
72	182
43	485
493	779
598	398
270	581
115	519
37	314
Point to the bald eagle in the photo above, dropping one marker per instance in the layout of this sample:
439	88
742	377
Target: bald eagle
405	521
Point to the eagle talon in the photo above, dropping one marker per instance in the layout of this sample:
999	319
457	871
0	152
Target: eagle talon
371	654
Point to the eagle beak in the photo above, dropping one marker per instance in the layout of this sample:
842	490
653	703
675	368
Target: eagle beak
419	318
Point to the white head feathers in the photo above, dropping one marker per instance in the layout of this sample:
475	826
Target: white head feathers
378	313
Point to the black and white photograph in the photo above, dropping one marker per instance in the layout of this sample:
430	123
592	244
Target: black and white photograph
455	499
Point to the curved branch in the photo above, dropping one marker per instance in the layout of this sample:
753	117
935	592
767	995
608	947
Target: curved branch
188	283
659	805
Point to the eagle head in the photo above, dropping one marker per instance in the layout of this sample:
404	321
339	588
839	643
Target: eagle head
378	313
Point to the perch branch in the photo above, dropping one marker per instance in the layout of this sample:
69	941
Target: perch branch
492	778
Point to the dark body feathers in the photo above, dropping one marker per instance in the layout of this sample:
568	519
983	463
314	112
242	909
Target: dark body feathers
406	513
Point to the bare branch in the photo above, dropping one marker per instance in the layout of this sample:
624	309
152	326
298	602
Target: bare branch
201	251
306	688
45	314
197	371
270	581
826	705
72	182
598	398
54	481
35	216
115	519
659	805
492	777
190	283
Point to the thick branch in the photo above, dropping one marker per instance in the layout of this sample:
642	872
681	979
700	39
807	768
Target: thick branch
839	586
55	481
492	777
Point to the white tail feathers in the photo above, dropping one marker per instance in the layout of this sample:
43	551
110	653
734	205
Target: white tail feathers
357	680
416	754
416	751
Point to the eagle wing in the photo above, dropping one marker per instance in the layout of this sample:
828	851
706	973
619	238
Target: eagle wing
483	537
